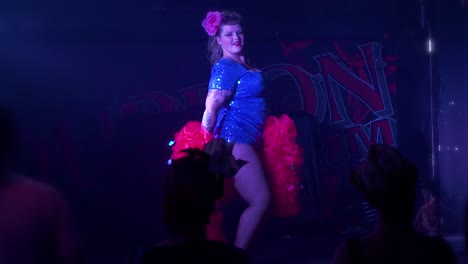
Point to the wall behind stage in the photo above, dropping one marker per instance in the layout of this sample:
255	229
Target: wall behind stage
99	91
452	42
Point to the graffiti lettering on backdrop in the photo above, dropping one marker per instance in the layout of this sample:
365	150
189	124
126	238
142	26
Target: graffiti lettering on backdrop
349	91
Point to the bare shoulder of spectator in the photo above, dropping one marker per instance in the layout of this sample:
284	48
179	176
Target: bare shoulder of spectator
54	207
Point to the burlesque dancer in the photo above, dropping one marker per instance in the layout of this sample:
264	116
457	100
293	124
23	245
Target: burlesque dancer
236	111
234	98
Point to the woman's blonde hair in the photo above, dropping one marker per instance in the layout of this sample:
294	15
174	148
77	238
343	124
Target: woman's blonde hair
214	49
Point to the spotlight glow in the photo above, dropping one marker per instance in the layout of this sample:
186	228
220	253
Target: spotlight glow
430	46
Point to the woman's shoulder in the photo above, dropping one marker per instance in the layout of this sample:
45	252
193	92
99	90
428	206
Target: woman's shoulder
228	67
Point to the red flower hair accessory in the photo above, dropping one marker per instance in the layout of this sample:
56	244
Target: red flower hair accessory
211	22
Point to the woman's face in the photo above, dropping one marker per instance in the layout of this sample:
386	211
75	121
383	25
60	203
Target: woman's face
231	40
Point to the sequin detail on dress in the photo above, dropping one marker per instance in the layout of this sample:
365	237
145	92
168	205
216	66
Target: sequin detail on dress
241	119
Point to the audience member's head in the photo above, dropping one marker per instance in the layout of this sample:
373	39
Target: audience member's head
387	180
191	187
193	183
466	227
47	232
190	191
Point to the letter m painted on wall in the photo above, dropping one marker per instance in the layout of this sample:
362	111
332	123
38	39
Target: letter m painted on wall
378	131
370	88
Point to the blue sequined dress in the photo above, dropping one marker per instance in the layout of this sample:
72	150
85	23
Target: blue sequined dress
242	117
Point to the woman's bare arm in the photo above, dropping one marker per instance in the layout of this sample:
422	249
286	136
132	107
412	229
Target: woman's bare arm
214	100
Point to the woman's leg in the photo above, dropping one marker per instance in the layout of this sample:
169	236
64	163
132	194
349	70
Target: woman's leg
252	186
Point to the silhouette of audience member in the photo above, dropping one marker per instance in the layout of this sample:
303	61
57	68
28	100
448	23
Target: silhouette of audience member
191	187
466	228
388	182
35	225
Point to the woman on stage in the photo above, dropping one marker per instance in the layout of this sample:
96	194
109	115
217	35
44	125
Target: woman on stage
235	110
